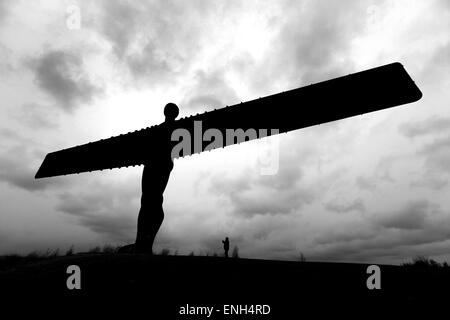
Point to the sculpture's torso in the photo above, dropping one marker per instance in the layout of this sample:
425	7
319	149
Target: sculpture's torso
158	167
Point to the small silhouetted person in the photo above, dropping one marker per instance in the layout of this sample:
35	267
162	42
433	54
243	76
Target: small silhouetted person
159	164
226	246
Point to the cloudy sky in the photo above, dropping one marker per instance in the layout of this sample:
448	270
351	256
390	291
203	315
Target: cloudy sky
368	189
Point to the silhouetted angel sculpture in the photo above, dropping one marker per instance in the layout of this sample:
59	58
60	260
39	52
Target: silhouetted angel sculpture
156	173
226	246
154	181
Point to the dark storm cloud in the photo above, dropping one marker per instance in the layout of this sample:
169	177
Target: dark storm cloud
412	216
120	24
115	226
16	172
430	126
390	234
251	193
287	177
438	146
209	91
16	164
104	209
150	63
386	243
247	199
61	74
154	40
251	204
352	234
435	154
340	207
366	183
383	173
436	157
314	40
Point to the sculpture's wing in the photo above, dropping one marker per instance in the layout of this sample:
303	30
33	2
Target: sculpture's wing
371	90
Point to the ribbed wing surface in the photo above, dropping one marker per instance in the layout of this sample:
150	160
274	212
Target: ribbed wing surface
367	91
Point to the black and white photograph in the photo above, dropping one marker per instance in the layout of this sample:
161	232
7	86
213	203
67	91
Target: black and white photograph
224	159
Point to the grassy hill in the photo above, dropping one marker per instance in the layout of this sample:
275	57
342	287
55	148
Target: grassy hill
164	284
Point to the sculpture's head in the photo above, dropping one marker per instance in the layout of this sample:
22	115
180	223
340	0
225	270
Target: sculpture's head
171	111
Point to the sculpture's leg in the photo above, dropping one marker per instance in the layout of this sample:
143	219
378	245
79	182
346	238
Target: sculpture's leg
151	216
157	220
